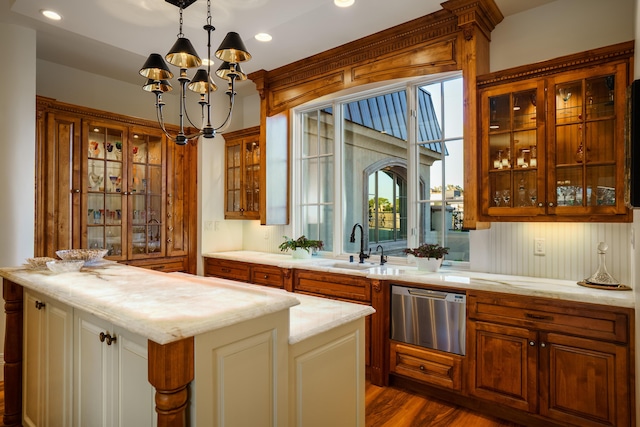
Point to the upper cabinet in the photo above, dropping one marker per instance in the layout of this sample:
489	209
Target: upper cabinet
553	144
113	182
242	177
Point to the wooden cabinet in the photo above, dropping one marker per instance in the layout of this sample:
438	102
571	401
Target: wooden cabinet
567	362
110	378
114	182
260	274
48	358
242	177
553	144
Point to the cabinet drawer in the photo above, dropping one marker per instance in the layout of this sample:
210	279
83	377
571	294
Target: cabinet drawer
167	265
339	286
580	319
267	275
226	269
433	367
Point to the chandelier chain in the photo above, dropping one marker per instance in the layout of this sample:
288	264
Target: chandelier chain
208	12
180	33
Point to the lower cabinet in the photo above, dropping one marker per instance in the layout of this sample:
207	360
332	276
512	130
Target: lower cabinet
259	274
566	362
48	357
110	378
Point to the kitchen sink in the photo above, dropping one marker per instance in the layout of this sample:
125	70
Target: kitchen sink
354	265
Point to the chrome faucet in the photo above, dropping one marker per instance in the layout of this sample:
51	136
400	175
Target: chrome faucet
383	258
362	256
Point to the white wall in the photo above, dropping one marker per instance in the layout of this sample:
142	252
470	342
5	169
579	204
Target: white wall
17	151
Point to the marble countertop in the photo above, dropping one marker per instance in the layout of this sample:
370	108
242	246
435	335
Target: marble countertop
449	278
312	316
159	306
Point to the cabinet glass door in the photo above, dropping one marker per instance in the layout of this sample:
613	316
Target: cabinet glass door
513	153
252	176
146	189
104	177
585	139
234	193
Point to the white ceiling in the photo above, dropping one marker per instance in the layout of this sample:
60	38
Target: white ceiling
113	37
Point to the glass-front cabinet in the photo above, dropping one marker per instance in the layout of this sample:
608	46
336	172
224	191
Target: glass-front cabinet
242	180
554	147
125	191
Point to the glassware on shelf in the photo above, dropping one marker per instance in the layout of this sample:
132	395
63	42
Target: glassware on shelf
497	163
113	179
610	82
533	156
533	196
506	159
565	94
506	197
602	276
497	198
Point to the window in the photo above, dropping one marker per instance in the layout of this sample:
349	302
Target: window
400	174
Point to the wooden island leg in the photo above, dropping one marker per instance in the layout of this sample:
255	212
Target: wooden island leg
170	372
12	294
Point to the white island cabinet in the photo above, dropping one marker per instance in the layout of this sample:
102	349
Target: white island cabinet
135	347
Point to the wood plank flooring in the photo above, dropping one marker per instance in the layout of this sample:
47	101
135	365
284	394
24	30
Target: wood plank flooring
392	407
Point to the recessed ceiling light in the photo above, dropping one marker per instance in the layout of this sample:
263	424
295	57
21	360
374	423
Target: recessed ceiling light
344	3
263	37
54	16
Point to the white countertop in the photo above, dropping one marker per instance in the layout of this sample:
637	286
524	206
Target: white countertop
312	316
458	279
159	306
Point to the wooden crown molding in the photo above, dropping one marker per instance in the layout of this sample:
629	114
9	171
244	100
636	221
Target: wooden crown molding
426	45
51	104
620	51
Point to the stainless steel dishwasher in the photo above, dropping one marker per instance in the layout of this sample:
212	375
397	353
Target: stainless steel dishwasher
429	318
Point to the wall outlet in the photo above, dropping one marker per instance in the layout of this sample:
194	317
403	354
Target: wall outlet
539	246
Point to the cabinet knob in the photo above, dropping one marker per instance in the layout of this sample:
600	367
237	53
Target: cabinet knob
540	205
266	276
550	204
75	191
170	228
40	305
107	337
169	215
543	345
422	367
169	240
532	343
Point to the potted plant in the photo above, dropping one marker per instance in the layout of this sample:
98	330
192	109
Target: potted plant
301	247
429	256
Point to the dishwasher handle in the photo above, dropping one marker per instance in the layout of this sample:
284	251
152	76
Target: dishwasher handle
426	293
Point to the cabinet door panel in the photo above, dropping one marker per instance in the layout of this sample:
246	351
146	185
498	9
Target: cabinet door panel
58	364
583	382
505	365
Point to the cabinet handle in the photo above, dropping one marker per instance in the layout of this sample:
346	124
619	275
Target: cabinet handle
75	191
40	305
550	204
171	228
540	205
226	270
538	316
543	345
110	339
532	343
422	367
169	240
169	215
169	199
266	276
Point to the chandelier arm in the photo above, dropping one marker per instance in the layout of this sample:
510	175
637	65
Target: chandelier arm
227	120
159	105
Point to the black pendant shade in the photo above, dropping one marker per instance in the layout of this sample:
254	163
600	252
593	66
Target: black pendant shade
225	70
232	49
157	86
183	55
199	82
155	68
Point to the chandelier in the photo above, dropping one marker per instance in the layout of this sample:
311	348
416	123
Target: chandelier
231	51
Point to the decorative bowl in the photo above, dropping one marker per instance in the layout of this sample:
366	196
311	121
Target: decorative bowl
88	255
65	266
38	263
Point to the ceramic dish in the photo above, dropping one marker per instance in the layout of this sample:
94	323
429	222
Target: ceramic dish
38	263
88	255
65	266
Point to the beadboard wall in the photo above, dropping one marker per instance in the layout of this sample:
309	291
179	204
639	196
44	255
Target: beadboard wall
571	249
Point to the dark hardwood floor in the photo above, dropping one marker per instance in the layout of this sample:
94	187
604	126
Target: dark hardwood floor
392	407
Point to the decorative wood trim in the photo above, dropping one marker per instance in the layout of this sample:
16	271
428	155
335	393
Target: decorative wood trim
620	51
171	369
13	308
426	45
